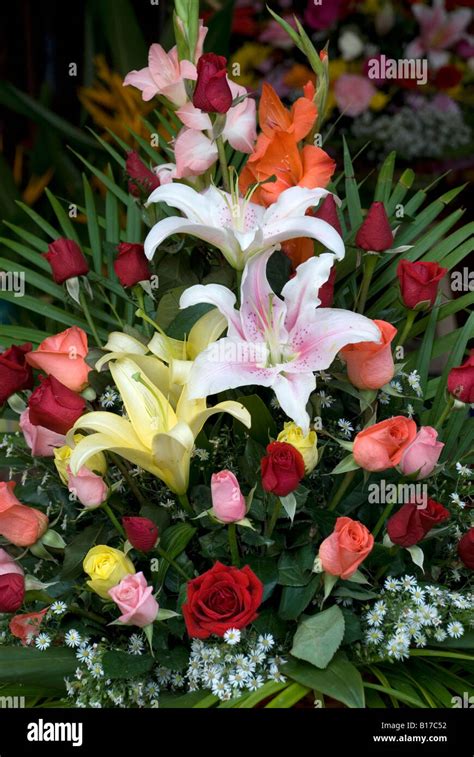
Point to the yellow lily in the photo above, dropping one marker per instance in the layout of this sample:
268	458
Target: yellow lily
160	431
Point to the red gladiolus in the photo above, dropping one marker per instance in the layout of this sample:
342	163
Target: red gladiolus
327	211
66	260
141	179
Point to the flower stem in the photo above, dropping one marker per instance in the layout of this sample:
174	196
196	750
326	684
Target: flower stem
234	547
223	162
445	413
185	503
86	614
88	317
411	315
386	512
133	487
343	486
275	514
106	507
370	262
162	553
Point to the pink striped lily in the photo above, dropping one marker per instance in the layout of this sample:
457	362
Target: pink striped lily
272	341
237	226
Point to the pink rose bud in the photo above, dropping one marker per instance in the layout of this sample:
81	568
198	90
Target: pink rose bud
228	503
89	488
135	601
422	454
39	439
142	533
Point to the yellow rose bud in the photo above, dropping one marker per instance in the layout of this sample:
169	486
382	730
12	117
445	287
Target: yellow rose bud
106	567
96	463
307	445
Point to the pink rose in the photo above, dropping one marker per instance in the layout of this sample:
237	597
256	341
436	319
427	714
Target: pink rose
344	550
62	356
353	94
9	565
135	600
422	454
39	439
89	488
228	503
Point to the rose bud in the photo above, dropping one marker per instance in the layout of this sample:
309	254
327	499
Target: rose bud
327	211
419	283
89	488
135	601
66	260
461	380
12	592
282	468
326	291
466	549
54	406
15	373
375	234
221	598
342	552
20	524
131	265
412	522
370	365
63	356
41	441
307	445
422	454
228	502
212	93
142	533
8	564
25	627
381	446
141	179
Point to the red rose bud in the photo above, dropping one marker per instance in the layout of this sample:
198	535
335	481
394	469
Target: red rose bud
12	592
15	373
466	549
66	260
142	533
461	380
375	234
221	598
419	282
282	468
131	265
212	93
412	522
327	211
326	291
141	178
54	406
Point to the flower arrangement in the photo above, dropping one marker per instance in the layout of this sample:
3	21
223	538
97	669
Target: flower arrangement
231	476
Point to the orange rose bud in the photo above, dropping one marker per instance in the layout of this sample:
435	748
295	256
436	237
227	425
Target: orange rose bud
20	524
370	365
381	446
344	550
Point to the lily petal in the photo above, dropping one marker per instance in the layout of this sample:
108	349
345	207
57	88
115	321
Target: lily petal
294	201
176	225
315	228
301	292
256	313
292	392
218	295
184	198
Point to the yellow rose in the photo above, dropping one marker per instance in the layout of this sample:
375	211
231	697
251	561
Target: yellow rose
96	463
106	567
307	445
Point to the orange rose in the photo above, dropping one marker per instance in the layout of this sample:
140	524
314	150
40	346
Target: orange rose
20	524
370	365
348	546
381	446
62	356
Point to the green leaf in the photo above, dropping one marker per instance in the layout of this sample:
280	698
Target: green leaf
385	178
218	37
295	599
340	680
288	697
318	637
346	465
265	568
29	666
289	505
352	192
78	548
123	33
174	540
121	665
185	320
263	427
92	225
64	221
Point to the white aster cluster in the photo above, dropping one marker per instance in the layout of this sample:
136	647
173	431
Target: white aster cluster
410	614
234	666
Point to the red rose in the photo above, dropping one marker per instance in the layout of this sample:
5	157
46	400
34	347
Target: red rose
131	265
412	522
212	93
282	468
327	211
15	373
222	598
12	592
54	406
419	282
461	380
66	260
375	234
326	291
142	533
141	179
466	549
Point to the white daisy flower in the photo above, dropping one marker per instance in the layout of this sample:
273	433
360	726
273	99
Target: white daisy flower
456	500
73	638
392	584
109	397
238	679
346	427
58	608
232	636
410	410
326	399
97	671
463	470
440	634
42	641
265	642
277	677
418	595
135	644
414	379
201	454
85	654
455	629
374	636
254	683
383	398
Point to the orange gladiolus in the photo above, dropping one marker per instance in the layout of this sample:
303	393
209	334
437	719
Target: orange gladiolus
20	524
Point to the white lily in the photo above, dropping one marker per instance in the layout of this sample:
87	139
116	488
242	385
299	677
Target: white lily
158	435
238	227
272	341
